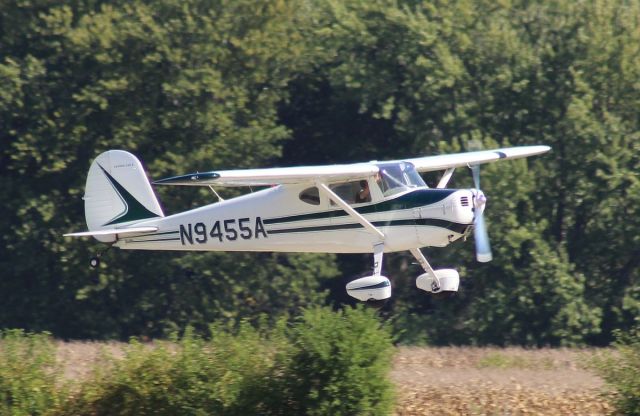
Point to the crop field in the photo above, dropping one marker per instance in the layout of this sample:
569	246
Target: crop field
495	381
455	381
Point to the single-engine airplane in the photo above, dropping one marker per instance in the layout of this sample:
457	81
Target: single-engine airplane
374	207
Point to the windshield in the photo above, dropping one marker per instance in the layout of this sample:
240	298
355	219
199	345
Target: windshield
398	177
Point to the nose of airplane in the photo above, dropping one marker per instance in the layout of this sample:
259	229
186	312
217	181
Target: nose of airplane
479	202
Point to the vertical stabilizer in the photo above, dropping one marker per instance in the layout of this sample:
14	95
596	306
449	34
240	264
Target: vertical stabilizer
118	193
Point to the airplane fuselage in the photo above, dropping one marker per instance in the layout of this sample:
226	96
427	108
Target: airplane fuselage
277	220
373	207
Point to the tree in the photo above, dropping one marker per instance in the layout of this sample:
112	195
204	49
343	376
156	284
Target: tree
185	86
199	85
440	74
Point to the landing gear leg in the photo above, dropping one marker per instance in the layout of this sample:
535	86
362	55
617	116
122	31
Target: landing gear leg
435	284
441	282
378	252
374	289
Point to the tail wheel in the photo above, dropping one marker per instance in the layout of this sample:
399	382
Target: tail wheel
94	262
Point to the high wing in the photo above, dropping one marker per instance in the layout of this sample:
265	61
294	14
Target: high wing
441	162
335	173
273	176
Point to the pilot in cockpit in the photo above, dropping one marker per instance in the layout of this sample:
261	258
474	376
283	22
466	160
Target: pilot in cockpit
364	194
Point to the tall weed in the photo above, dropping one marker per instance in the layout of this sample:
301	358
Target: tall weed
621	371
28	374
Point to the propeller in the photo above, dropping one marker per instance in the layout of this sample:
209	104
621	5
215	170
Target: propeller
483	247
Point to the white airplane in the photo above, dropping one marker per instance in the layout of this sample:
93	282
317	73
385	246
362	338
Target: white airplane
374	207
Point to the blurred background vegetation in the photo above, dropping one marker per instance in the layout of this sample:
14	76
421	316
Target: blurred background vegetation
200	84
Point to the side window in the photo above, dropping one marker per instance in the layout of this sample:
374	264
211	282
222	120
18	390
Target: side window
355	192
310	196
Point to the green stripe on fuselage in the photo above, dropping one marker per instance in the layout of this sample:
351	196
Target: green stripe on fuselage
415	199
426	222
152	240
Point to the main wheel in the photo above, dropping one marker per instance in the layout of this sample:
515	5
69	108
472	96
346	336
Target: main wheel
94	262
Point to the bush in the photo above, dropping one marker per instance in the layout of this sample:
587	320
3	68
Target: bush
324	363
340	364
621	371
227	375
28	372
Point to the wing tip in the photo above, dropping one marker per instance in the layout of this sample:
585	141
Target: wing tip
538	149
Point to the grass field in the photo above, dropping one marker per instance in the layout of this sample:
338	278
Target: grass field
456	381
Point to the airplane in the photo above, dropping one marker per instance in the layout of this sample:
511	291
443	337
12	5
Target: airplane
373	207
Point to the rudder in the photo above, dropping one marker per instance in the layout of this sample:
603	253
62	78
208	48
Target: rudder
118	192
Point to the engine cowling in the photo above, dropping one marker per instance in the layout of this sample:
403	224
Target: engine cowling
448	280
370	288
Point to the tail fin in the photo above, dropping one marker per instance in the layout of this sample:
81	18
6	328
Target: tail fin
118	193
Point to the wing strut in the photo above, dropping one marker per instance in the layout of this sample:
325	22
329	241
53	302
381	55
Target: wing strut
352	212
220	199
445	178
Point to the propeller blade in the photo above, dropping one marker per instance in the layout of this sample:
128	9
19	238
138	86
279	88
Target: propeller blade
475	171
483	247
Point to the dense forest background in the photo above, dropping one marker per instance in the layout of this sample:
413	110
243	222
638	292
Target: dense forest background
201	84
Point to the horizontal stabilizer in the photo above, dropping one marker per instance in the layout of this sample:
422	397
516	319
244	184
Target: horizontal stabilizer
114	231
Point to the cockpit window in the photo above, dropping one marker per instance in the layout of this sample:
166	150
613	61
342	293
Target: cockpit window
353	192
310	196
398	177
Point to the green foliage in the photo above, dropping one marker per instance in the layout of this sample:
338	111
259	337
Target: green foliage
185	85
326	362
339	364
504	361
531	294
621	371
433	76
28	374
499	360
228	375
199	85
